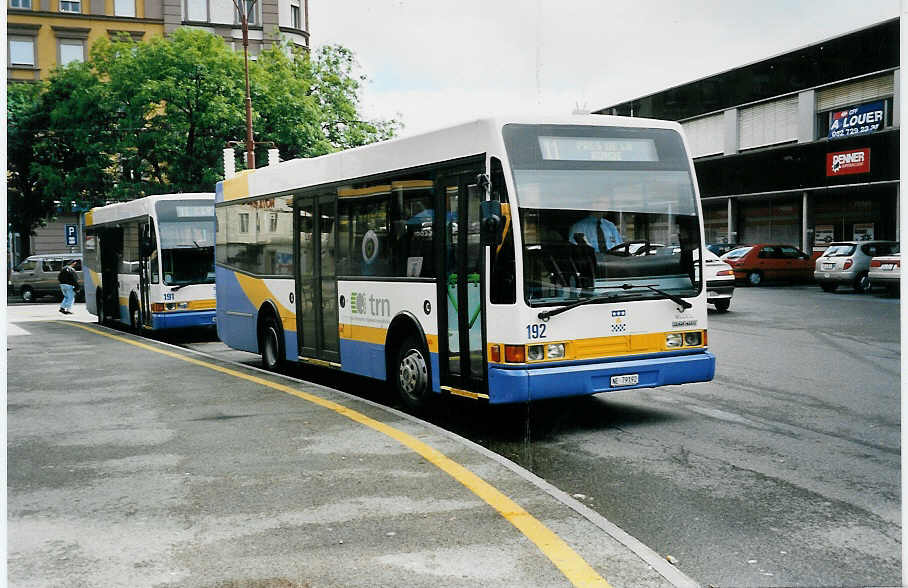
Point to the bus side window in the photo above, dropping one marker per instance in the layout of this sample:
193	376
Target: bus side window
502	283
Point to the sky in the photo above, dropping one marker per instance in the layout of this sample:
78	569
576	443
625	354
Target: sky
431	63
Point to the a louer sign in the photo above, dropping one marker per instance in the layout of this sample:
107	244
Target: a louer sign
857	120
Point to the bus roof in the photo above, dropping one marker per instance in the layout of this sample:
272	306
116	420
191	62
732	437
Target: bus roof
137	207
463	140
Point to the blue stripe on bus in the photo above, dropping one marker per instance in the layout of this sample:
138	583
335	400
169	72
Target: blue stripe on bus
182	320
237	331
521	385
368	359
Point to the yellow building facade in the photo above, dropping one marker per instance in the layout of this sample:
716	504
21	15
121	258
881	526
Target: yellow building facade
42	34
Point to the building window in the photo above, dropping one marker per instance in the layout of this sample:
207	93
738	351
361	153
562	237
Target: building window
125	8
244	222
71	50
22	51
71	6
251	8
295	19
27	4
197	10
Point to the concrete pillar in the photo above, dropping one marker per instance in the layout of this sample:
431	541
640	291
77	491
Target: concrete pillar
806	244
896	98
807	116
730	144
732	220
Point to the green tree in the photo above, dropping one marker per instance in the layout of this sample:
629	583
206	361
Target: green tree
153	117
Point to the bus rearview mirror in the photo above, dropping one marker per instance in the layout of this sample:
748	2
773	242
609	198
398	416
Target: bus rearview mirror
490	222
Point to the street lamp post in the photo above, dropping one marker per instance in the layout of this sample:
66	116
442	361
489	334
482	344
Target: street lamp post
242	7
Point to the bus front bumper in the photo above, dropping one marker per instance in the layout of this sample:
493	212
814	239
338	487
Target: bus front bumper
522	384
182	320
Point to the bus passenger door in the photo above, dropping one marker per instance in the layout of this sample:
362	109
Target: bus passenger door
144	271
316	282
460	290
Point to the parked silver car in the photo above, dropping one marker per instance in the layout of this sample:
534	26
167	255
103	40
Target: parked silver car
848	262
886	271
37	275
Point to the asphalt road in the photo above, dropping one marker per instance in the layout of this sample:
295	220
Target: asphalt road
783	471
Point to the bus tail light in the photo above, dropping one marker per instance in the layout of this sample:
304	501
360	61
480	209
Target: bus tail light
515	353
157	307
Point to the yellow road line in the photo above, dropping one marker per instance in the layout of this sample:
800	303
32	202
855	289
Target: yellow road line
566	559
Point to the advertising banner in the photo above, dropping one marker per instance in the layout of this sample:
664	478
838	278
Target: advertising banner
857	120
863	231
822	235
855	161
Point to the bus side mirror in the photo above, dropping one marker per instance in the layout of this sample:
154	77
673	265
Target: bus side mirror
146	245
490	222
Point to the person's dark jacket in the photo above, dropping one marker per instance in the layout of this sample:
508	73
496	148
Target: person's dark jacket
68	275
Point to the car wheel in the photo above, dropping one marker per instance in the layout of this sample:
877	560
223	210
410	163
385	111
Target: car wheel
754	278
829	287
270	344
27	294
722	305
411	374
862	283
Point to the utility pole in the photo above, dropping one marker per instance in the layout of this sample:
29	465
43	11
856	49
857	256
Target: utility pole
242	7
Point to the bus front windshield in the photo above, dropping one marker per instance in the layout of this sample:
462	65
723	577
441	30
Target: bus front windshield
186	235
604	211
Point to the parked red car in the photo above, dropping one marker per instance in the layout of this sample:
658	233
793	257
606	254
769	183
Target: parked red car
755	263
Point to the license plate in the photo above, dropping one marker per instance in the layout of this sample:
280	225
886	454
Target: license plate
625	380
887	267
828	266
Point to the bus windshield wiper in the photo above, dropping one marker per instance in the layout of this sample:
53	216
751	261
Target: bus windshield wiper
673	297
546	314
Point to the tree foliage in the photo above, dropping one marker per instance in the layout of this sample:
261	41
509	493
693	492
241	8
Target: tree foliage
149	118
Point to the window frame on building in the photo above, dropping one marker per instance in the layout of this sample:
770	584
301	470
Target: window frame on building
296	14
71	6
69	42
253	18
129	5
199	4
20	36
23	4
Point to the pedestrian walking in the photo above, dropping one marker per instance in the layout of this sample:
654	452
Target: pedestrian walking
68	281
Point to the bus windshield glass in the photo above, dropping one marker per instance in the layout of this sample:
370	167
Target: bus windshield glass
604	210
186	234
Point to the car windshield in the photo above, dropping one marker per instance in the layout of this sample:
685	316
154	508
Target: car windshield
603	207
839	250
736	253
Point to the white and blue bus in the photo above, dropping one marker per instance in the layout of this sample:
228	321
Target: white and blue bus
149	262
503	259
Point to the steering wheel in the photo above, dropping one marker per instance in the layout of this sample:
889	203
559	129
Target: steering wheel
624	249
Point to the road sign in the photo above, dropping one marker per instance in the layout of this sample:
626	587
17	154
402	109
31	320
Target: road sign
72	235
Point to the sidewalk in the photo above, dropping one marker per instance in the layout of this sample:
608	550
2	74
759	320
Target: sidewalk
135	463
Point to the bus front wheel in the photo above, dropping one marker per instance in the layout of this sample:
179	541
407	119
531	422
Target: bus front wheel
270	344
412	374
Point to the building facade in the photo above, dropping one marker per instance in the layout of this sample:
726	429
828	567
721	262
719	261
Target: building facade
801	148
44	34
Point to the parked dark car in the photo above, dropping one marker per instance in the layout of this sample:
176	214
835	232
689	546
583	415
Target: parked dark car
755	263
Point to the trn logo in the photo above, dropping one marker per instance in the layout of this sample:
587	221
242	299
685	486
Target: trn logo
362	303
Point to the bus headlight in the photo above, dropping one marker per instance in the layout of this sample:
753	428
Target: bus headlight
673	340
554	351
692	338
535	353
170	306
183	304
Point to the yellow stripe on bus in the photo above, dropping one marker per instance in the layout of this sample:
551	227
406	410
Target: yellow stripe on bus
603	347
238	186
574	567
376	335
257	293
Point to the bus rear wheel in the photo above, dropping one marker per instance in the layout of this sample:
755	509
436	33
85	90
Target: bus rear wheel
411	374
135	318
270	344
